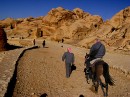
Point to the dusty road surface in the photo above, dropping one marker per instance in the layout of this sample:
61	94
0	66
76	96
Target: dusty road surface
41	72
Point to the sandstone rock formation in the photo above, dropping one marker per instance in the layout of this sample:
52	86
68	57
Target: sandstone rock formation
76	26
114	32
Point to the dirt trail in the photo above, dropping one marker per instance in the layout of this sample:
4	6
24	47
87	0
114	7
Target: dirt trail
41	71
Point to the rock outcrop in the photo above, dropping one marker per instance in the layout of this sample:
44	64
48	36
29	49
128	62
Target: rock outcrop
113	33
74	26
3	39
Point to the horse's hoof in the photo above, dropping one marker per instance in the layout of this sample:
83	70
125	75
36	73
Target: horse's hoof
105	95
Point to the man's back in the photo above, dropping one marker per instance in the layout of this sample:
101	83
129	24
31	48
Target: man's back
99	48
68	57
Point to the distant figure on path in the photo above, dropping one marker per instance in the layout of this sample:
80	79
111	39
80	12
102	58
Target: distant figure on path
44	43
62	40
69	60
34	42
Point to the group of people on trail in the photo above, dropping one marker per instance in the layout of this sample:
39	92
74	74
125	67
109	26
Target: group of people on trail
43	43
97	51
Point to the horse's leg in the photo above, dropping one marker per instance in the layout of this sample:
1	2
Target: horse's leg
100	72
95	82
96	86
102	87
94	79
106	89
87	75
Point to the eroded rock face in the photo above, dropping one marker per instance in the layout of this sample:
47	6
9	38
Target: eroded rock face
3	39
113	33
121	18
75	25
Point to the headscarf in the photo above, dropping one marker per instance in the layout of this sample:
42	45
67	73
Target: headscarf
69	50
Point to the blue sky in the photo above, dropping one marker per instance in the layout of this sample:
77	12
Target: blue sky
35	8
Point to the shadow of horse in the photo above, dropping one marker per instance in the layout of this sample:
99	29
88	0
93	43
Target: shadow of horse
96	71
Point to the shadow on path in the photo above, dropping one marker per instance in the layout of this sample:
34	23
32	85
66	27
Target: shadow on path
12	47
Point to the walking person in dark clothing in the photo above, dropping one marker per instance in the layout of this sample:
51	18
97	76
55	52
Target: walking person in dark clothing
69	60
34	42
97	51
44	43
62	40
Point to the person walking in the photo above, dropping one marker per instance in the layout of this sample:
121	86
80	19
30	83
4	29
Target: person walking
62	40
34	42
68	57
44	43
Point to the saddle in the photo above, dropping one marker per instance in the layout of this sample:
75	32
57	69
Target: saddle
93	66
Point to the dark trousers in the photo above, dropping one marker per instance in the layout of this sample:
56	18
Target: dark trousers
68	69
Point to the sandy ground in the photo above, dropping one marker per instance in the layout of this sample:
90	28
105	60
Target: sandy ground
41	71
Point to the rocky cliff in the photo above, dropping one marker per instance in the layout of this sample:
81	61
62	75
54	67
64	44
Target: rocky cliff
76	26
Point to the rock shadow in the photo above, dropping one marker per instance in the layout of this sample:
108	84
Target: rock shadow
12	47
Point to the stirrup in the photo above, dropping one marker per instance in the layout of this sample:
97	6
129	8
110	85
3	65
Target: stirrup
87	71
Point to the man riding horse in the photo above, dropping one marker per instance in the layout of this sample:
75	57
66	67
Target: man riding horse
96	53
95	67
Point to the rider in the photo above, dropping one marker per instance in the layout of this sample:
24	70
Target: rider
97	51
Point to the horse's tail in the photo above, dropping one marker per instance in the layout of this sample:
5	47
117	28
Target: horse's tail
106	74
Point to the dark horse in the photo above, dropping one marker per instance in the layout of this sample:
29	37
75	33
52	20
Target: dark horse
98	69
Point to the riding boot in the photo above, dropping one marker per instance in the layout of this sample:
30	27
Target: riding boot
87	71
90	73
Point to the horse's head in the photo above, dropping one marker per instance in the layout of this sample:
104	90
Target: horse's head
87	55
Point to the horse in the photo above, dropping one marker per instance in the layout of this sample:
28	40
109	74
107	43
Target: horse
98	69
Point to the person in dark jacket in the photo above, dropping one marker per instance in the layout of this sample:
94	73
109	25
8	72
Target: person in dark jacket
34	42
97	51
69	60
44	43
62	40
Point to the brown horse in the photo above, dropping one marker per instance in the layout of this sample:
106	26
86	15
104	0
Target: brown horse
98	69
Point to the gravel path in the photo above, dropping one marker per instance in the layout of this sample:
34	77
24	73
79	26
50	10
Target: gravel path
41	71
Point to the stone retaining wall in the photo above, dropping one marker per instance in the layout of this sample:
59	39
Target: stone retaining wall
8	67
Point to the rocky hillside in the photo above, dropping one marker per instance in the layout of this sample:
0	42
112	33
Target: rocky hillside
76	26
